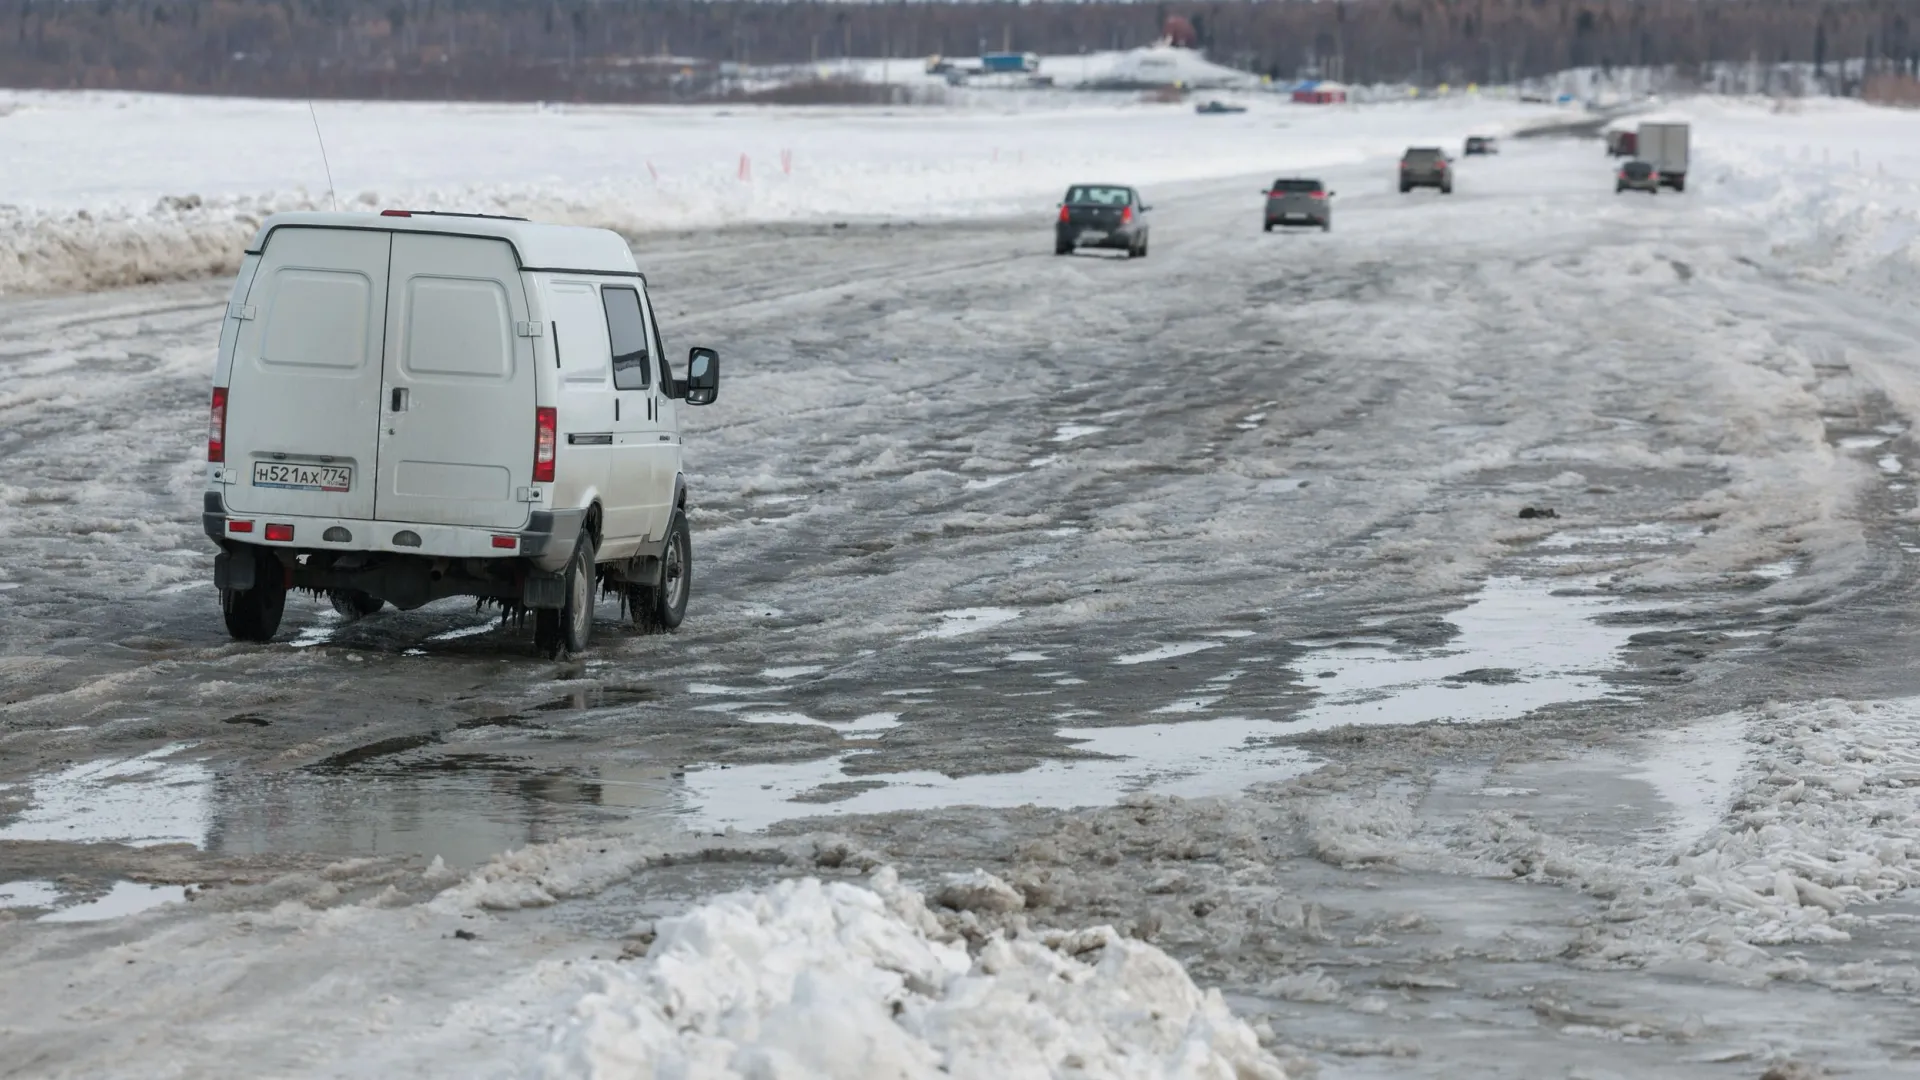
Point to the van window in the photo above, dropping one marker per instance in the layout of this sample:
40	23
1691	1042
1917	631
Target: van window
628	332
659	349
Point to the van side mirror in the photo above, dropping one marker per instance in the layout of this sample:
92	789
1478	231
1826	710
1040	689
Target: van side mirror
703	377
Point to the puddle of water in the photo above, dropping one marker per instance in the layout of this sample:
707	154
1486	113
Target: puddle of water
792	672
1646	533
1228	633
1069	432
464	808
466	631
967	620
879	721
1889	464
5	585
1042	462
125	898
318	634
717	690
1547	649
1775	571
29	894
139	801
1192	760
1025	657
1168	652
1694	770
988	482
1862	442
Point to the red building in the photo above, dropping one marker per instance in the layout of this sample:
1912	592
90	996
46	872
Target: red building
1320	92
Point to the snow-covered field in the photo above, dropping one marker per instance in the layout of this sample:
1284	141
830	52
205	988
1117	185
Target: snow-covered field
1105	668
115	189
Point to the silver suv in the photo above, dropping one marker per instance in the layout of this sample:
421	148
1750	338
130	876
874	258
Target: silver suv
1298	202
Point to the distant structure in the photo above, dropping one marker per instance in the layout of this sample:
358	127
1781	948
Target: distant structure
1320	92
1179	33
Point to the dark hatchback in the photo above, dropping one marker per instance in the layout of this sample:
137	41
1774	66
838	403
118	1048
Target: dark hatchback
1637	176
1298	202
1102	216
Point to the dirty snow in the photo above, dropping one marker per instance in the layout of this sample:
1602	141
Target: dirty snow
833	979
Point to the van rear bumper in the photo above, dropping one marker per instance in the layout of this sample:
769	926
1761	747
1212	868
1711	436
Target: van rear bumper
546	541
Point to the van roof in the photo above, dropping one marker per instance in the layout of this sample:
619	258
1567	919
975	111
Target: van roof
538	246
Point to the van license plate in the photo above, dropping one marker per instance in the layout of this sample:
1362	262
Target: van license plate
275	474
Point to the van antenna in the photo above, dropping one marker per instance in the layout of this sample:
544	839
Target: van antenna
331	197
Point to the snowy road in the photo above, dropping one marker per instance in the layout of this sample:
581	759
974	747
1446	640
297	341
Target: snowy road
980	527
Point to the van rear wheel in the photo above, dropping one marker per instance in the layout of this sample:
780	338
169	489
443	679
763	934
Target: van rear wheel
254	614
663	607
569	628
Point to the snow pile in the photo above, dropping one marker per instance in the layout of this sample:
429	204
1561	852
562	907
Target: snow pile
1829	819
812	979
1836	183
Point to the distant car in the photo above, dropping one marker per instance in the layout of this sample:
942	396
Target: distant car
1298	202
1482	144
1102	216
1214	107
1425	166
1623	143
1637	176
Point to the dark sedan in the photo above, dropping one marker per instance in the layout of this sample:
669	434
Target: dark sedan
1102	216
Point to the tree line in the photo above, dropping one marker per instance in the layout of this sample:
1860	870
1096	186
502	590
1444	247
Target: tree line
660	50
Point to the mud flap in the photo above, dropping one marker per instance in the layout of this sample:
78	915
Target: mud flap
548	591
232	575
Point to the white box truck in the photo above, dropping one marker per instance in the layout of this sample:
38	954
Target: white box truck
1664	146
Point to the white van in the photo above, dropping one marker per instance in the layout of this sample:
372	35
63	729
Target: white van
412	405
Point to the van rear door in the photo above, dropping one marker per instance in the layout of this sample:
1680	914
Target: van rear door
457	402
303	399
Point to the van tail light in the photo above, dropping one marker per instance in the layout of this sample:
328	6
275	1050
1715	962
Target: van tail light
1063	214
1126	214
396	213
239	526
282	534
217	426
545	436
507	543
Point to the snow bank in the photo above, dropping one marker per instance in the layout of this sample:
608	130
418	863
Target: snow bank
1836	184
191	177
812	979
